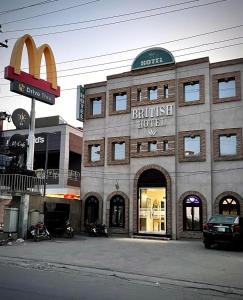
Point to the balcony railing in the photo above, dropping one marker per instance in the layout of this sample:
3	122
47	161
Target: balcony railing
53	175
16	183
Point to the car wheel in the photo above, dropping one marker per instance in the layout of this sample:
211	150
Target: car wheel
207	245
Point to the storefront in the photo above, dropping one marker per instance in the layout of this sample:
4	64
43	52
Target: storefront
163	145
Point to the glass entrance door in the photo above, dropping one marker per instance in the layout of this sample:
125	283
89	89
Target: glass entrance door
152	210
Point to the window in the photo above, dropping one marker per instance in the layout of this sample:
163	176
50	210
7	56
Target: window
153	93
191	91
96	108
152	146
139	95
229	206
139	147
166	91
117	212
119	151
91	210
192	146
192	208
165	146
227	88
120	101
94	152
227	145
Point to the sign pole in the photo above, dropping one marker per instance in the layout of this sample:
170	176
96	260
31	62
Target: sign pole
31	138
25	199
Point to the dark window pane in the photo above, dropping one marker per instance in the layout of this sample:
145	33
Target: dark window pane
191	91
192	213
166	91
227	88
117	212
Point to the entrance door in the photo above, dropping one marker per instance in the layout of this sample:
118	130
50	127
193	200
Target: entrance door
152	210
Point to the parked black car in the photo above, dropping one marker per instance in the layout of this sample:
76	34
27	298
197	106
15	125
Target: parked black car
223	229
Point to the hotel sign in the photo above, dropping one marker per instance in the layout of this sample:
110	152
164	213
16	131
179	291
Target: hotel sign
153	57
152	117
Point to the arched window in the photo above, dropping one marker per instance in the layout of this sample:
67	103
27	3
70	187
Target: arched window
91	210
229	206
192	211
117	211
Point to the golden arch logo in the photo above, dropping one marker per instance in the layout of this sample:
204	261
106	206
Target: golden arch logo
37	86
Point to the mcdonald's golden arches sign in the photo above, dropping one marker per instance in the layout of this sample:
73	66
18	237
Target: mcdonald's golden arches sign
30	84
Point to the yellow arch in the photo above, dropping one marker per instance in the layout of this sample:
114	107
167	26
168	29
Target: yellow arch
34	57
50	64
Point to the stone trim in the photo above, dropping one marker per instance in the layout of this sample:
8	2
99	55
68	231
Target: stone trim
181	233
116	229
168	197
100	199
144	91
181	145
239	149
215	91
86	155
225	194
183	81
160	145
88	108
112	111
119	139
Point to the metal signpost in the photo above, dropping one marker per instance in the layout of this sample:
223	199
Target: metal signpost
30	85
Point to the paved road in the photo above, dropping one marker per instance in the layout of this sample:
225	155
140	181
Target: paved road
184	264
40	284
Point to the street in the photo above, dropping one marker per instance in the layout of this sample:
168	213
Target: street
119	268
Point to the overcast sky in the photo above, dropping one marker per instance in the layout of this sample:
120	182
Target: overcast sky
78	47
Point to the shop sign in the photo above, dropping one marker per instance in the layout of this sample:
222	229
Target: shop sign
80	103
153	57
152	117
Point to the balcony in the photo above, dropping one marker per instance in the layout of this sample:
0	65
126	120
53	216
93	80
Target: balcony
17	183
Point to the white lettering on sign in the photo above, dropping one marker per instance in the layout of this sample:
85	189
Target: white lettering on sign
150	117
152	61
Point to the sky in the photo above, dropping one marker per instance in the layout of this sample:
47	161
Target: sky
92	39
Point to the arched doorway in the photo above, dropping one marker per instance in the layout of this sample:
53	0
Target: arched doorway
91	210
152	202
117	211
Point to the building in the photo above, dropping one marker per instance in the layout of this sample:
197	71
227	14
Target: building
163	146
57	160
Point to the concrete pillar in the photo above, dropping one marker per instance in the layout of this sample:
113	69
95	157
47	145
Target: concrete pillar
23	216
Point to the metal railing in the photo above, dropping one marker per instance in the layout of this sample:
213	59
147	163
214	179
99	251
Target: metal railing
16	183
53	175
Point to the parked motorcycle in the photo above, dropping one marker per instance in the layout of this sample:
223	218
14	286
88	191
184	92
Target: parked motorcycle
40	232
96	229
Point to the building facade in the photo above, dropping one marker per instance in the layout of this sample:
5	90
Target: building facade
162	146
57	160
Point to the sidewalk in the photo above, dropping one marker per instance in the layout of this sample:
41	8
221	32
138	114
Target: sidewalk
180	260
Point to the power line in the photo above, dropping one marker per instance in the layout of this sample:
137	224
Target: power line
28	6
52	12
124	21
101	19
118	67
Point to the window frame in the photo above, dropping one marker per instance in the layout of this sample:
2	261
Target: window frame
114	202
92	100
192	205
185	94
114	150
115	95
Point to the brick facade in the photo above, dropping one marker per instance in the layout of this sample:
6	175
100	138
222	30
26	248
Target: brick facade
86	155
216	144
183	81
144	93
88	105
215	86
181	144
